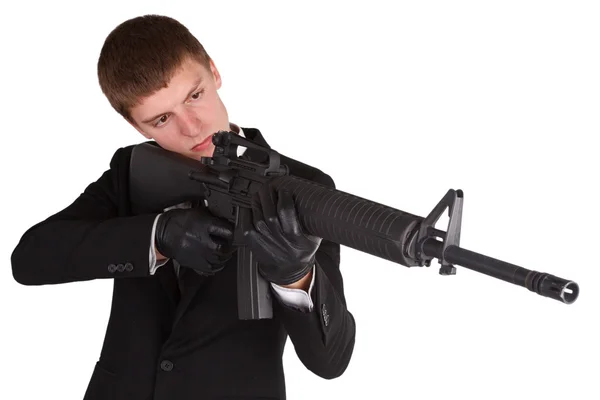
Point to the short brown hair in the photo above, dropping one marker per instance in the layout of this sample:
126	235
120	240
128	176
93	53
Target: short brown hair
141	55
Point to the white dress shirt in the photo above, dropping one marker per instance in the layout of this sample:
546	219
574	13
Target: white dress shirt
295	298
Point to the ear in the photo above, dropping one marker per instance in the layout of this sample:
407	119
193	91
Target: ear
216	74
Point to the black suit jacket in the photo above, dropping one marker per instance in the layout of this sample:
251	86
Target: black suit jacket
162	344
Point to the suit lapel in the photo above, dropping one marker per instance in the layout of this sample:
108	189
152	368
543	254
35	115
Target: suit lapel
168	280
180	289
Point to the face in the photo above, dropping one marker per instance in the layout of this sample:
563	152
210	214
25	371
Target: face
183	116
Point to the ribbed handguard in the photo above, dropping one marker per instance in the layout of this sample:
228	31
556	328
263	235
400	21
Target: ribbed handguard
350	220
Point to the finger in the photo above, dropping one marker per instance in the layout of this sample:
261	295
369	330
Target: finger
216	267
268	202
287	213
221	228
223	254
202	267
221	244
212	246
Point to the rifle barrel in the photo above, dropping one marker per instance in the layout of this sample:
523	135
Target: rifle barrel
541	283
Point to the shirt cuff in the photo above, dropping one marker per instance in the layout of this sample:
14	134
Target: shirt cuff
152	260
296	298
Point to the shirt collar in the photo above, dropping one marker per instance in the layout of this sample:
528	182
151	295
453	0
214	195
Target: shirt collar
235	128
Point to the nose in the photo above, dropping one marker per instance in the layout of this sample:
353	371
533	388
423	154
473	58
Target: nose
190	124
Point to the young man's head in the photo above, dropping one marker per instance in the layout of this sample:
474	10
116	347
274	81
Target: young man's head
158	76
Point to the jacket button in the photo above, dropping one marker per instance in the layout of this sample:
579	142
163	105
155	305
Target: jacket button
128	267
120	267
166	365
112	268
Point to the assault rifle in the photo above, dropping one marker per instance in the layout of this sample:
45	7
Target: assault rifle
225	183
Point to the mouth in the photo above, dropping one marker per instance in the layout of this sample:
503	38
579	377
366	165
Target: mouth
203	145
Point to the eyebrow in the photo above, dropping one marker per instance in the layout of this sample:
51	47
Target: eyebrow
194	87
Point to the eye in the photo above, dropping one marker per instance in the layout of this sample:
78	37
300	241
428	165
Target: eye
197	95
161	120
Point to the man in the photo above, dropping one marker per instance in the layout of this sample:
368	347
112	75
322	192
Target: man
173	331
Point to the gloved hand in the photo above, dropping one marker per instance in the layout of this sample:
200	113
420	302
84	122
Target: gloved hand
283	251
195	238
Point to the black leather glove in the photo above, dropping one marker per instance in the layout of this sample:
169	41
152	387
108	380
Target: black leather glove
283	251
195	238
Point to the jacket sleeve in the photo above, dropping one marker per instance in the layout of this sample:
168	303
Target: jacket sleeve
88	239
323	338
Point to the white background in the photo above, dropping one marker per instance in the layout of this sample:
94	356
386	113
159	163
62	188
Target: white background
398	102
